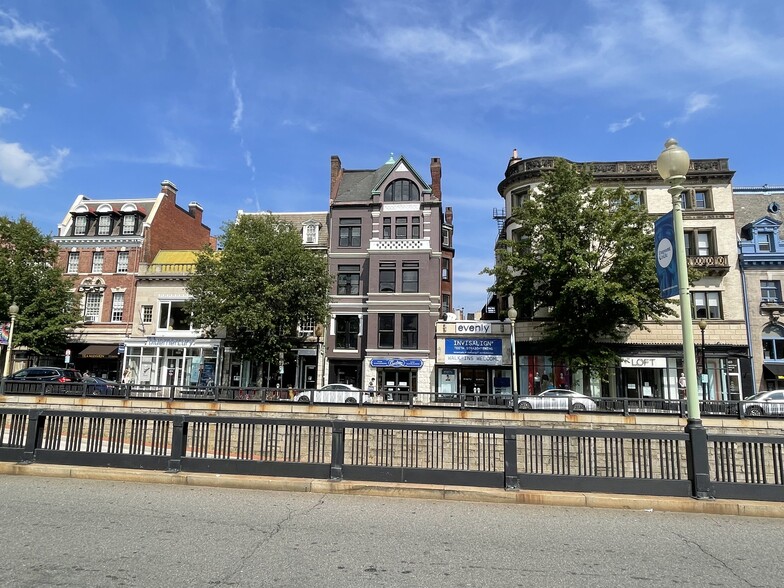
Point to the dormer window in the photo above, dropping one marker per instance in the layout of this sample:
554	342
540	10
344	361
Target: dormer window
80	225
401	191
104	224
765	242
310	234
129	224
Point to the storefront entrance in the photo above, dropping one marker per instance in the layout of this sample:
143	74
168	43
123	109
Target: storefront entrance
397	384
473	384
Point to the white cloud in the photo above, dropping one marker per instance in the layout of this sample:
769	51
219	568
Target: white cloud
307	125
238	104
7	114
694	103
625	123
21	169
17	33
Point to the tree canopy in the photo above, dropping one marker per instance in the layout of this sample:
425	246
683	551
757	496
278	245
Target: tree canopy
29	277
260	286
585	256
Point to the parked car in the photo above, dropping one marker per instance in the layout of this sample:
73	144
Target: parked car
341	393
44	374
100	387
764	403
556	399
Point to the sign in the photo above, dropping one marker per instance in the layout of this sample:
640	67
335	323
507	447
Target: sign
666	260
67	356
396	363
121	349
473	351
5	328
474	327
644	362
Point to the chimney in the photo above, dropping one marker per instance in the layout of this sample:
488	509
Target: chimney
334	176
514	159
435	174
195	210
169	190
448	215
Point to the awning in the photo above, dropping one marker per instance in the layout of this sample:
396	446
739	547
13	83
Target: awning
98	351
775	369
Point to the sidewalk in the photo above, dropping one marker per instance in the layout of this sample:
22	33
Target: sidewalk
400	490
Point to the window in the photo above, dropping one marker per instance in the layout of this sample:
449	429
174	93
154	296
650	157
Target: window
520	196
699	199
401	227
386	331
310	234
307	327
98	262
348	279
104	224
386	278
401	191
410	276
118	301
700	242
638	197
410	331
416	232
122	262
773	343
386	230
173	316
446	305
765	242
771	290
706	305
146	314
80	225
73	262
129	224
444	269
446	238
92	306
350	232
346	332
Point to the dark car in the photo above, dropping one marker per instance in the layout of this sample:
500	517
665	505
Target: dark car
44	374
100	387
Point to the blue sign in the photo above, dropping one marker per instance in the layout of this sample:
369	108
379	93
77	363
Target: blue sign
476	351
666	260
396	363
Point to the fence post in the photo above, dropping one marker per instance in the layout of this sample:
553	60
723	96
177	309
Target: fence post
697	460
178	444
35	435
338	447
511	479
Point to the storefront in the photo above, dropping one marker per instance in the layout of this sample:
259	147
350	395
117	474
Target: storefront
397	378
171	361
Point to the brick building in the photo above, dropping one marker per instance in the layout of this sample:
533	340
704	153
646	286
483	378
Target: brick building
102	244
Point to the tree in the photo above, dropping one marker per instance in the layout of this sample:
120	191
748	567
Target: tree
29	277
586	257
260	286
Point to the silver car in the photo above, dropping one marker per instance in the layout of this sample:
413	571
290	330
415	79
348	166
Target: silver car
556	399
765	403
342	393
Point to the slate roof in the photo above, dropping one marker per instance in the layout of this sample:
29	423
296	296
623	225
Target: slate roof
752	207
357	185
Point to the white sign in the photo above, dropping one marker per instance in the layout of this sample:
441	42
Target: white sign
473	327
644	362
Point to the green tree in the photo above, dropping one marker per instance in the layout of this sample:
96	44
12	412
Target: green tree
260	286
29	276
586	256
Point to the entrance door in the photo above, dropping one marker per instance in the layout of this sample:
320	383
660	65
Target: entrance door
473	383
173	372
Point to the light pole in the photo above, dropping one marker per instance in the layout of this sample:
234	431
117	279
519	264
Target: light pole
13	310
673	164
319	331
704	375
512	315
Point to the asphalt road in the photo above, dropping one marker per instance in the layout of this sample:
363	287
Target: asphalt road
66	532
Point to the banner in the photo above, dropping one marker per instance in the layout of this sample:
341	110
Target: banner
666	262
5	328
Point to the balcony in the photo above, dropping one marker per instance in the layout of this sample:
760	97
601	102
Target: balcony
399	245
712	265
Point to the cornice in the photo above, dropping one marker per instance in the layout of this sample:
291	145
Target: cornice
98	241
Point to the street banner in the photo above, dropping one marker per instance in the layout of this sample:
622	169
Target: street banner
5	328
666	261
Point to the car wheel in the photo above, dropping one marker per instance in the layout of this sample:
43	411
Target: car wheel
578	406
525	406
304	399
754	411
351	400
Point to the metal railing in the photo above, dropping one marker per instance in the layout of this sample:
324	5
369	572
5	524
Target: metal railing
631	462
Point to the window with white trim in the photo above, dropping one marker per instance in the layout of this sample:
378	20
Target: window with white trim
173	316
92	306
80	225
770	290
98	262
146	314
129	224
706	305
104	224
122	262
73	262
310	234
118	302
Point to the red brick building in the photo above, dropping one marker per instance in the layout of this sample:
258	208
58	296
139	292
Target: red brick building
102	244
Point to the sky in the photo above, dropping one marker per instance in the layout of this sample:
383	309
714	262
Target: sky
242	103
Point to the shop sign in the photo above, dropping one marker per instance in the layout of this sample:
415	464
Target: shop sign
473	351
396	363
474	327
644	362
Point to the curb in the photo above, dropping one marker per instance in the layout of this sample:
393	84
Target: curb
747	508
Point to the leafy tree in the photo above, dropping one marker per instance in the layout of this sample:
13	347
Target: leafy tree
260	286
586	257
29	277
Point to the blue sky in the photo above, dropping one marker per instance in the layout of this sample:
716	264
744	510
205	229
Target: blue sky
242	103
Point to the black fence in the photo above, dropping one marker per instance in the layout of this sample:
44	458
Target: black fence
649	463
735	408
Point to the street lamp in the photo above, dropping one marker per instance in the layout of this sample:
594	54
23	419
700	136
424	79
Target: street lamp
673	164
512	315
13	310
704	376
318	331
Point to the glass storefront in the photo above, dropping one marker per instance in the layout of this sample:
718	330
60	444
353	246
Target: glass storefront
193	363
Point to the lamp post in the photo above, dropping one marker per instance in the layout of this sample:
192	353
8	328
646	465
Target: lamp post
704	375
673	164
13	310
512	315
319	331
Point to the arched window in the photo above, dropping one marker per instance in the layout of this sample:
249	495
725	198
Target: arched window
773	343
401	191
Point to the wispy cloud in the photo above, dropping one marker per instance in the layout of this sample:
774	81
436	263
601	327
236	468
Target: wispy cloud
7	114
172	151
305	124
15	32
22	169
625	123
694	103
238	104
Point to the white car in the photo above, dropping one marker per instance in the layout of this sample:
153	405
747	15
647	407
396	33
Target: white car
556	399
335	393
764	403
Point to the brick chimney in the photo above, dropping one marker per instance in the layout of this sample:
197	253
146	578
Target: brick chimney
169	190
336	171
435	174
195	210
448	215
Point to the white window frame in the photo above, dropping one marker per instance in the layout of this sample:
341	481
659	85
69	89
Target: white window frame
80	224
73	262
97	262
104	225
129	224
147	315
122	262
92	306
310	234
118	304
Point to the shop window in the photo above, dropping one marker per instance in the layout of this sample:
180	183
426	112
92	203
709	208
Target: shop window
98	262
706	305
770	290
386	331
409	331
401	191
350	232
348	280
773	343
173	316
346	332
122	262
73	262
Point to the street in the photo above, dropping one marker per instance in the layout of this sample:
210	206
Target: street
69	532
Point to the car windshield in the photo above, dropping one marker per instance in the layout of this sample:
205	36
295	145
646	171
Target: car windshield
759	396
